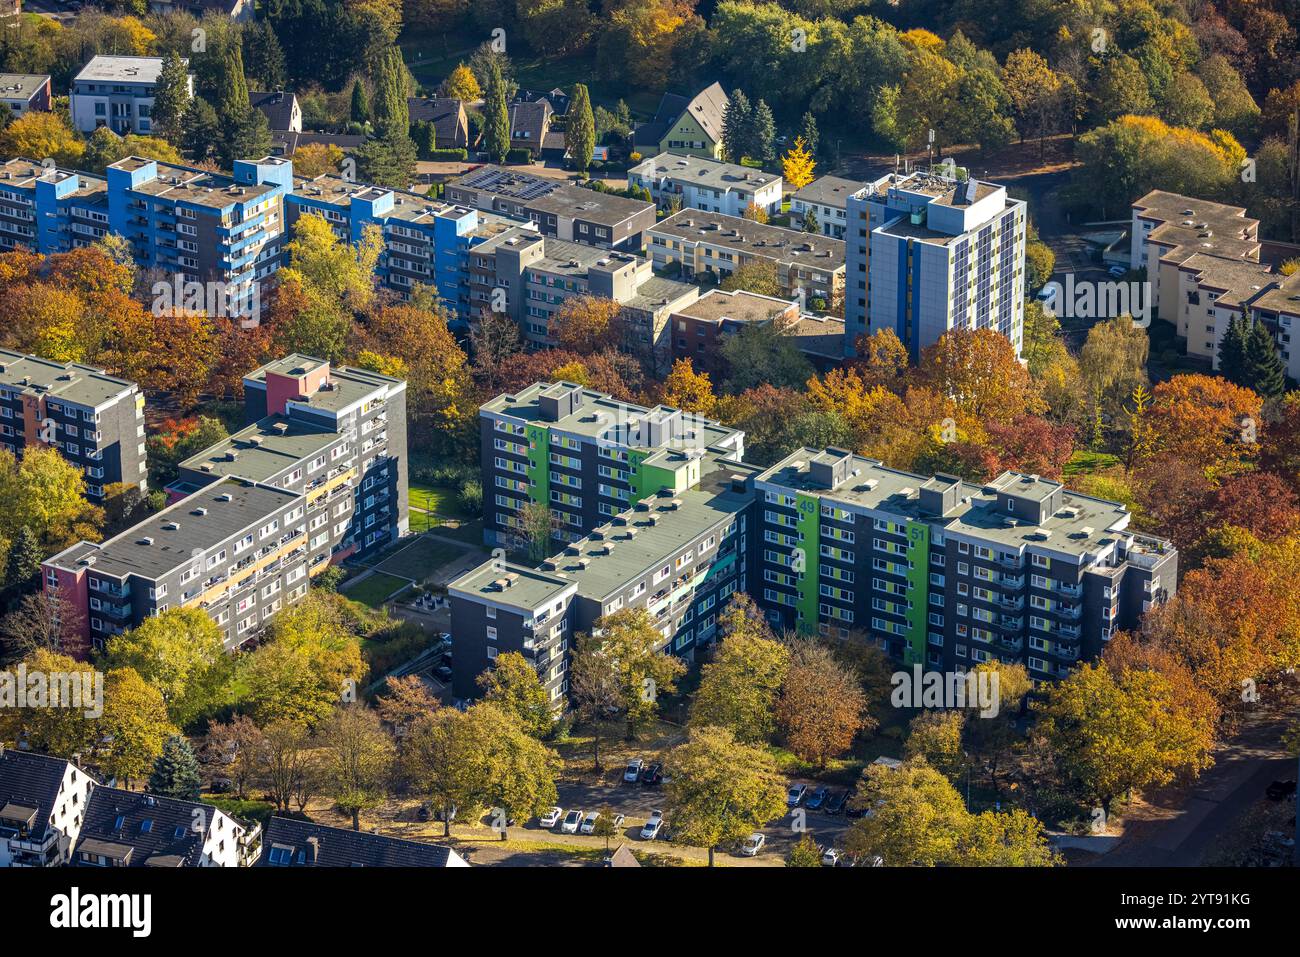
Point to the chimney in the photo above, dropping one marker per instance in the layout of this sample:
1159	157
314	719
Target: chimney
313	842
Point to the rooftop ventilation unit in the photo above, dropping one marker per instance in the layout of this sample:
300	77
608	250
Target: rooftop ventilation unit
224	497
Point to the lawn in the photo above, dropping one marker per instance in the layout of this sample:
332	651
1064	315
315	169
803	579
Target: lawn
443	502
420	559
1083	462
374	588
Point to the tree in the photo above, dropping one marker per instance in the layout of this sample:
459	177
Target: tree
1187	103
171	98
798	164
47	620
23	561
759	276
805	853
1264	370
390	112
181	652
1232	350
536	523
43	135
290	773
1035	93
1204	419
176	772
246	131
518	772
201	133
935	736
461	84
359	108
645	672
917	817
580	133
586	324
1122	89
357	759
442	763
739	689
263	55
1111	735
720	791
1006	839
513	686
1040	263
754	213
822	707
496	124
763	353
808	132
978	370
238	749
737	124
55	728
315	159
135	725
593	688
689	390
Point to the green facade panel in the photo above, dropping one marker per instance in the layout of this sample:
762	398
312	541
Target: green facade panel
809	526
918	591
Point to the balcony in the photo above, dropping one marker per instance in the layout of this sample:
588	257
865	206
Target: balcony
1011	581
1069	631
1014	604
1008	562
1068	612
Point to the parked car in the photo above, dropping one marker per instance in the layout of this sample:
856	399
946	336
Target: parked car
831	857
571	822
633	772
550	818
618	821
795	795
589	822
1279	790
753	844
650	830
443	673
653	775
835	803
221	785
1116	271
448	814
818	799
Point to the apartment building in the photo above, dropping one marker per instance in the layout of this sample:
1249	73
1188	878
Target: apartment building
678	551
43	803
117	92
426	243
203	226
946	574
95	420
712	246
826	199
529	277
699	329
25	92
50	210
235	549
132	829
587	456
927	253
560	209
1168	229
1277	306
1210	291
708	185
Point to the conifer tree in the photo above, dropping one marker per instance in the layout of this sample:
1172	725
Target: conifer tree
736	127
580	136
176	771
496	123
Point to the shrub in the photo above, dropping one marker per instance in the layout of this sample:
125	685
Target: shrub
522	156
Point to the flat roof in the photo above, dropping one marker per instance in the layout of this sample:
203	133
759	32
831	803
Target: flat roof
348	384
1282	296
658	292
529	588
153	548
500	181
1082	524
582	203
702	171
829	191
575	259
738	305
21	86
67	381
758	239
1237	279
122	69
22	173
601	415
183	184
1188	226
264	449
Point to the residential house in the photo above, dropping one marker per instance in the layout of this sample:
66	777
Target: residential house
281	109
290	842
24	92
690	125
706	184
827	199
43	803
134	829
448	116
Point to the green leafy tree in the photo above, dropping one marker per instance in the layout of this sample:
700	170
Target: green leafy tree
263	55
513	686
518	771
135	725
645	672
201	134
171	99
176	772
719	790
593	688
806	853
580	134
181	652
441	756
357	759
739	688
936	737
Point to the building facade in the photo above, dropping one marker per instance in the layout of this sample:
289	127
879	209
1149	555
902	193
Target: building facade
927	253
327	448
826	200
95	420
117	92
44	807
706	184
25	92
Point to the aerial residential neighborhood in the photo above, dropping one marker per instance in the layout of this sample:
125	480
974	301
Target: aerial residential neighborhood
651	434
